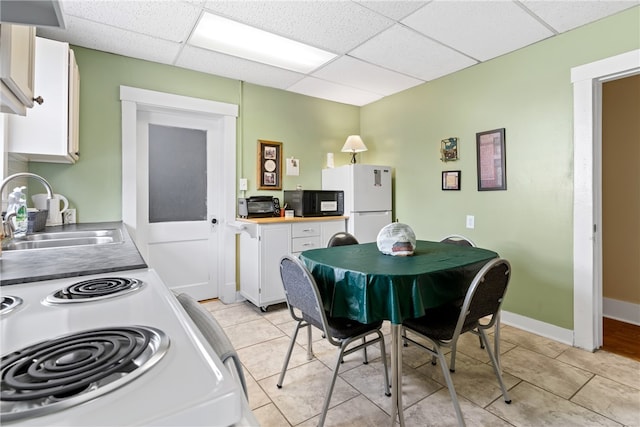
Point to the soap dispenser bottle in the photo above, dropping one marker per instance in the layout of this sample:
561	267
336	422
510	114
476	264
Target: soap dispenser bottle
18	205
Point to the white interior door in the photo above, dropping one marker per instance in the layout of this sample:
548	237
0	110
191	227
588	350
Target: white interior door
179	175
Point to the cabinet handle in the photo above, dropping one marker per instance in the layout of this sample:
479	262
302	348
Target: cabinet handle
39	100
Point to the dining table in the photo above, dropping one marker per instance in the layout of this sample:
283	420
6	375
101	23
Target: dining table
361	283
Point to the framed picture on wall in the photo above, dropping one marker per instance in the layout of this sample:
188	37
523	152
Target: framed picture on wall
451	180
492	164
269	165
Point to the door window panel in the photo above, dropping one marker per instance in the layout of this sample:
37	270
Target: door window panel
177	174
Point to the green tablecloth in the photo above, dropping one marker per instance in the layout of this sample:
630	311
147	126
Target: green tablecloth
360	283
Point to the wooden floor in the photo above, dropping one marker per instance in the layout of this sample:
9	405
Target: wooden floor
621	338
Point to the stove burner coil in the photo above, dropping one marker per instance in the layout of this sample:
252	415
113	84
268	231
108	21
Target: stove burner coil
68	370
9	303
95	289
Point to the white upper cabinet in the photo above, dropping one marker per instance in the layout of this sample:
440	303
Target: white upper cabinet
49	132
17	53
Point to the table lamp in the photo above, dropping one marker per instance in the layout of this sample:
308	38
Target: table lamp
353	145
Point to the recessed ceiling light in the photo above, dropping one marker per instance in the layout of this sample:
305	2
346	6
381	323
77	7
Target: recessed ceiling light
233	38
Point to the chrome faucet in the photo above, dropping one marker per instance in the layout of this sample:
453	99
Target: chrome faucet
7	226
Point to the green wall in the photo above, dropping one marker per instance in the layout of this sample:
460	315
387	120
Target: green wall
528	92
308	128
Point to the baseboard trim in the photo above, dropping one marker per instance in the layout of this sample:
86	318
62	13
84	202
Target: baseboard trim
537	327
621	310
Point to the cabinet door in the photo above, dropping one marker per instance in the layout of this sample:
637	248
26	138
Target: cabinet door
17	53
74	108
43	135
275	242
329	228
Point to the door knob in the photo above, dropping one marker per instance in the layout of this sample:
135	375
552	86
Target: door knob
214	221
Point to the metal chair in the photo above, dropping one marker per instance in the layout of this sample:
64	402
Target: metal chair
443	325
460	240
306	307
457	239
215	336
342	239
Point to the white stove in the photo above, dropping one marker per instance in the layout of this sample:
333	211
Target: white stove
158	368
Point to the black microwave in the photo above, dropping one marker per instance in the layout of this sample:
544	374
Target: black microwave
315	202
258	207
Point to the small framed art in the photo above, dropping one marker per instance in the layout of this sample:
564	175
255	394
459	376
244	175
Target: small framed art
451	180
269	165
492	164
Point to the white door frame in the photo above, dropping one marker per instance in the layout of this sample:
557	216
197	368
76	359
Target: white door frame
134	100
587	191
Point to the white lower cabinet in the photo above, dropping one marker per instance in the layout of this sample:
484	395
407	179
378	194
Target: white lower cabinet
262	246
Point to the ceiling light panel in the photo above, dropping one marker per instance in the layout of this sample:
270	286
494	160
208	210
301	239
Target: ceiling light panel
337	26
480	29
234	38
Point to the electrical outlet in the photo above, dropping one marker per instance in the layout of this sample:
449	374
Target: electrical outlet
471	221
69	216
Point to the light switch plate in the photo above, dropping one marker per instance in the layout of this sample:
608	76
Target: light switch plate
243	184
471	221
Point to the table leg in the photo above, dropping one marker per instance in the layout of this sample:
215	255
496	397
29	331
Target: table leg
396	375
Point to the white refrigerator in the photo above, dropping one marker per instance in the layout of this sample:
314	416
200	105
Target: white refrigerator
367	197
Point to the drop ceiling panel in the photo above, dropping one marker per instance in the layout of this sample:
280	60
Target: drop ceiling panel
480	29
236	68
395	10
565	15
337	26
403	50
106	38
166	20
358	74
318	88
384	46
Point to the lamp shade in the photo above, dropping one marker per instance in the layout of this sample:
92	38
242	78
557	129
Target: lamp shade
354	144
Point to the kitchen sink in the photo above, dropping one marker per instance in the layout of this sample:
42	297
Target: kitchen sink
64	239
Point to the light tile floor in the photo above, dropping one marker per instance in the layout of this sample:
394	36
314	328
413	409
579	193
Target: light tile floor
551	384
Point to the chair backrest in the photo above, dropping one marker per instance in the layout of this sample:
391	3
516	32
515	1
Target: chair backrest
485	295
457	239
342	239
215	336
301	292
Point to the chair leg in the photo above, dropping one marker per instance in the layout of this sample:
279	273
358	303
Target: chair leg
452	367
495	365
309	345
496	340
288	356
327	399
383	354
452	390
366	360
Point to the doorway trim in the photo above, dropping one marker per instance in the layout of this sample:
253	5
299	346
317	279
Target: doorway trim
587	82
134	100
